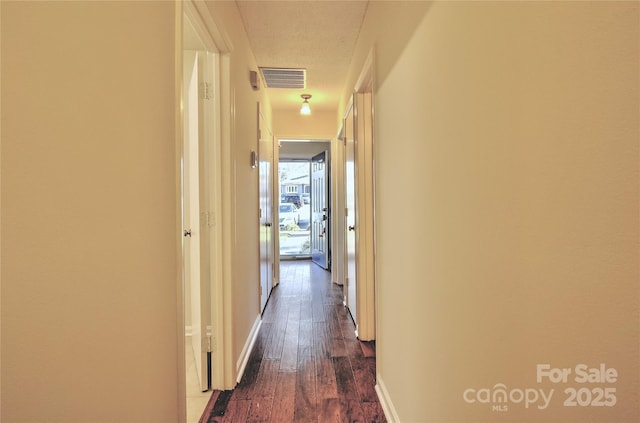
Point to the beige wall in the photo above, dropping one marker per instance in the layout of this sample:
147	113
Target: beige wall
320	125
89	294
303	149
510	130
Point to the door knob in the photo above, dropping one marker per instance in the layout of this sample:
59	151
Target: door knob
187	232
352	228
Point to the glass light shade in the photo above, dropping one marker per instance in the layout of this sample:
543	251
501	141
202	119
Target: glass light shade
305	109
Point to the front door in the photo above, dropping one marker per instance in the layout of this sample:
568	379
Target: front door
320	210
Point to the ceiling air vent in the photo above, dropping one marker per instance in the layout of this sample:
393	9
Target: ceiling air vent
284	78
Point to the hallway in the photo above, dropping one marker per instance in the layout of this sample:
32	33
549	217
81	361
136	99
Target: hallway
307	364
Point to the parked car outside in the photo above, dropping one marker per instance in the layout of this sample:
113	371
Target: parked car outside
304	216
292	198
306	198
288	215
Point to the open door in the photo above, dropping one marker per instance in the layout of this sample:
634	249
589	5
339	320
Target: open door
320	227
267	243
192	208
364	232
351	281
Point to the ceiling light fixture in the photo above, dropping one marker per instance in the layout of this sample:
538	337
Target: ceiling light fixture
305	109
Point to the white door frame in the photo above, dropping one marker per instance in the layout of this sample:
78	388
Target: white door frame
217	159
365	204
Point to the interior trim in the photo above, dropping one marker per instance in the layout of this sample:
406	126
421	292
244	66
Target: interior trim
385	401
248	347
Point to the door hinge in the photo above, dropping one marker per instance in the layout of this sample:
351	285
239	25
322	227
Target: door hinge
211	219
205	91
204	219
346	211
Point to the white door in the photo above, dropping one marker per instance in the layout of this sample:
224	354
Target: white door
192	208
320	210
350	220
363	111
267	257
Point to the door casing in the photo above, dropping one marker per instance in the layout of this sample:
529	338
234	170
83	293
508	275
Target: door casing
359	217
217	158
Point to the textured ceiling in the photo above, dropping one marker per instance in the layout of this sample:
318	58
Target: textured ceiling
316	35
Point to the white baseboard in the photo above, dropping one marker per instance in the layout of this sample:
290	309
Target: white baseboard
248	347
385	401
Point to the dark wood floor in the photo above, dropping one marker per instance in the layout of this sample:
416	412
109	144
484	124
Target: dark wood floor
306	365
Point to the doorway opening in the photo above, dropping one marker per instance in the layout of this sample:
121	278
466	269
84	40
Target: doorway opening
203	75
294	211
304	201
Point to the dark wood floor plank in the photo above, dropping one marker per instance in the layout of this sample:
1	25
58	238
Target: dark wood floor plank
209	408
290	347
318	312
368	348
283	403
236	412
265	384
364	373
264	391
306	309
347	327
326	384
350	408
274	345
305	400
244	389
329	410
260	410
338	348
306	364
353	349
271	312
261	342
306	341
322	340
373	412
220	407
344	378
